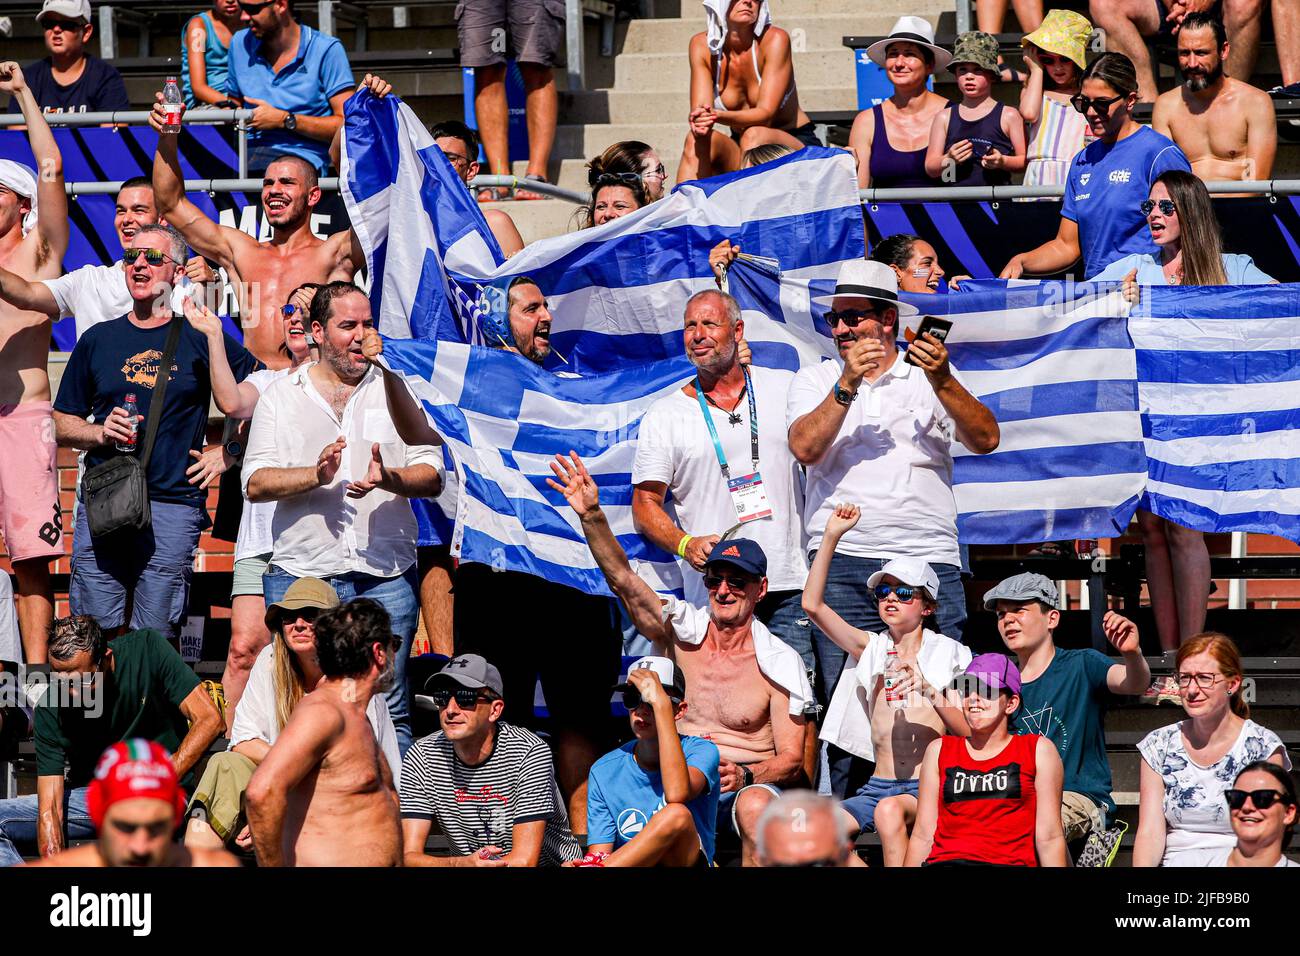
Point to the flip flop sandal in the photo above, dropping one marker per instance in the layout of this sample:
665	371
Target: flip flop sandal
493	193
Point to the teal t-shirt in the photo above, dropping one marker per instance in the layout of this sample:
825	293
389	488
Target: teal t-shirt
140	698
1067	705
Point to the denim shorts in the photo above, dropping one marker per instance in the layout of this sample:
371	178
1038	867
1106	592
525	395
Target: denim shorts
862	805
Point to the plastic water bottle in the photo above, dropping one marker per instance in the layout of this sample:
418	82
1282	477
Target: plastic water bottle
893	697
172	104
132	410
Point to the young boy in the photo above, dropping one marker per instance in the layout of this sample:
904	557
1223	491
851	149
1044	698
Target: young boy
980	142
991	797
860	719
654	801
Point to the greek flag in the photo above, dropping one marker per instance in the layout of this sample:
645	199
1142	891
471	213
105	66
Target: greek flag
1090	423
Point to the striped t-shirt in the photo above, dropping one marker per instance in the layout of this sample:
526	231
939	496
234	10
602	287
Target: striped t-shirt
480	806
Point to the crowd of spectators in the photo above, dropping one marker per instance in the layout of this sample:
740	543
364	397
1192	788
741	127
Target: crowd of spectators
820	640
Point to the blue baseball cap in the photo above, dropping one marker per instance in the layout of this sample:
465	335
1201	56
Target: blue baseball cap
742	553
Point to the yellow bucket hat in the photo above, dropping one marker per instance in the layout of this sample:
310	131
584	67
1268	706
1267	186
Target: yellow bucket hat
1064	33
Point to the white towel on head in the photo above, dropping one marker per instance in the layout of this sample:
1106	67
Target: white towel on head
716	13
22	180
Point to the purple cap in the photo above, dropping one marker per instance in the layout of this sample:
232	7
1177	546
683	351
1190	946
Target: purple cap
996	671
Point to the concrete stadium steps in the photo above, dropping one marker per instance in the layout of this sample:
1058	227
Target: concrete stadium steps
656	71
821	30
540	218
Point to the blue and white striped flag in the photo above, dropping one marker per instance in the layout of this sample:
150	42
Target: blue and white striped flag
1054	362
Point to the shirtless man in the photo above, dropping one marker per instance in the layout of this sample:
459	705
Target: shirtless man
746	690
30	516
323	795
263	273
136	803
1226	127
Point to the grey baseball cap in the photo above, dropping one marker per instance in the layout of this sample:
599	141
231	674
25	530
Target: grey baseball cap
1025	586
469	670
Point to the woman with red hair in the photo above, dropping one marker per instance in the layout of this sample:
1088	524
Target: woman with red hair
1186	767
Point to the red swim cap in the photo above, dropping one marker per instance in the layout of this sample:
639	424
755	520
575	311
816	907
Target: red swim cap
131	770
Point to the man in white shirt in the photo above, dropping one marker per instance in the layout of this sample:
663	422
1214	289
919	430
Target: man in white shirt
94	294
705	444
877	428
323	446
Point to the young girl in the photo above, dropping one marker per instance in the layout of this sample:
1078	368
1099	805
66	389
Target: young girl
979	142
205	54
870	715
1056	54
994	797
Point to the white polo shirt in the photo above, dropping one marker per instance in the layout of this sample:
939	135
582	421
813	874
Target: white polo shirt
324	533
891	458
674	446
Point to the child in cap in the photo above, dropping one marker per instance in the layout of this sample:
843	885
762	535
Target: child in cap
979	142
993	797
1056	54
918	664
653	801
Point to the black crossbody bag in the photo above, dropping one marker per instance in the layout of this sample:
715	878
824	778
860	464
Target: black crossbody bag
115	493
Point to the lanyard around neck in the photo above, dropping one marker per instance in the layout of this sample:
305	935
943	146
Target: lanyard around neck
713	431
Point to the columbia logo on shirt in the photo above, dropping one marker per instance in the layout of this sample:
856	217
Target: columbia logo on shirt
1000	783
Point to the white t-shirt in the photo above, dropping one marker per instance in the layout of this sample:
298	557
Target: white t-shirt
1197	824
94	294
891	458
255	536
1221	858
255	714
11	645
674	446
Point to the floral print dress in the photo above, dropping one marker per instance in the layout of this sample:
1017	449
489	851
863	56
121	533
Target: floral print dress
1196	815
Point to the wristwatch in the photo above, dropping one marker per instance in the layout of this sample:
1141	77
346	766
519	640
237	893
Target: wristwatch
290	122
235	448
747	776
843	395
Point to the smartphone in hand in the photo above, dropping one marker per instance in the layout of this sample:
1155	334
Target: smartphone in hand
935	326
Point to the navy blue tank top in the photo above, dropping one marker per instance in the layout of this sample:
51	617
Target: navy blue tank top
984	134
893	168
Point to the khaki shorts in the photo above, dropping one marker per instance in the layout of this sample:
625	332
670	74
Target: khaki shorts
220	793
1079	815
247	576
30	516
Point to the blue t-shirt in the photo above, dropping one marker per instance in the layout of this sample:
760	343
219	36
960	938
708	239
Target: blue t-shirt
304	87
117	357
621	797
1240	270
1067	705
1104	191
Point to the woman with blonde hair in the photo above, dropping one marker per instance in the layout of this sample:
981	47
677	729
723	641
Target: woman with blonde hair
1187	766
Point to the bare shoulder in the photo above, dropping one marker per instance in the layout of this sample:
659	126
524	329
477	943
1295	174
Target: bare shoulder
498	216
1168	102
699	46
211	858
318	713
196	26
774	40
1252	97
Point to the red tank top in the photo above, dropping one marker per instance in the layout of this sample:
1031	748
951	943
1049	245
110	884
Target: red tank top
986	807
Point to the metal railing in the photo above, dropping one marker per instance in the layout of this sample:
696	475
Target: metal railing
1261	187
196	117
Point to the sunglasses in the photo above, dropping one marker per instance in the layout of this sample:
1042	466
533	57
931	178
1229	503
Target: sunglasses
288	309
1166	206
1101	104
735	582
851	317
613	179
68	26
253	9
632	698
904	592
467	698
154	257
1262	799
307	614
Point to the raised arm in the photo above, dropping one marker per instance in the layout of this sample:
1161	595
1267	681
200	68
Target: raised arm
206	237
235	399
1133	676
642	603
408	418
298	750
1031	97
51	197
851	639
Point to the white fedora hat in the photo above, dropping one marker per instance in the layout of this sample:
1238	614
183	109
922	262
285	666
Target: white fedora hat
864	279
915	30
